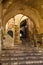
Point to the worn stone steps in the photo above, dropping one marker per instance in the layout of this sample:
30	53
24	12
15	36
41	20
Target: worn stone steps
21	56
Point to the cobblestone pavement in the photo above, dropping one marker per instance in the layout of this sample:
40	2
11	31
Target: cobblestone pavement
20	55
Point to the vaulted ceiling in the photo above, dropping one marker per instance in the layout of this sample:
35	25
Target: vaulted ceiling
37	4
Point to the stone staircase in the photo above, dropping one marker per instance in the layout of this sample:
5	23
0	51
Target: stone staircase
21	56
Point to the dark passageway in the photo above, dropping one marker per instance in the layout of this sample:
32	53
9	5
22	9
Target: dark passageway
24	31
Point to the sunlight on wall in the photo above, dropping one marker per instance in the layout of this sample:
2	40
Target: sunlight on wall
15	21
10	24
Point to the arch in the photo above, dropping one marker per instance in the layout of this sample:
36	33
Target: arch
17	20
29	12
9	24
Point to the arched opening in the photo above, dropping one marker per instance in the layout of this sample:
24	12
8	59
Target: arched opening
20	28
27	26
10	32
24	31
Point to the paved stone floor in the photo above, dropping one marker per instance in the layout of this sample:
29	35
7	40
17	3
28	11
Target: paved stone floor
22	55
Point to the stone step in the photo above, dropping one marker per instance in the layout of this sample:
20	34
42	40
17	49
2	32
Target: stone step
16	63
21	56
21	50
23	62
22	59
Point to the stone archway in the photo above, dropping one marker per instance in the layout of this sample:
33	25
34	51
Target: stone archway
25	10
29	12
17	20
31	33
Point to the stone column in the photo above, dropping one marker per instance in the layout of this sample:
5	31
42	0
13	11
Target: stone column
1	24
17	33
17	28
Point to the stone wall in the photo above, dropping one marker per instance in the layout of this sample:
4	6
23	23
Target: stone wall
18	8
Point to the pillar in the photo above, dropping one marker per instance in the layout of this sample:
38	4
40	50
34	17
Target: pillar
17	28
17	33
